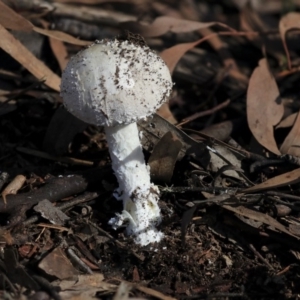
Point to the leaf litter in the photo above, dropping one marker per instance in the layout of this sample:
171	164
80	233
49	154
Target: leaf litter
230	198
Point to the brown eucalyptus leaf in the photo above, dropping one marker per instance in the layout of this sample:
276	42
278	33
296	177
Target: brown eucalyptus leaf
288	178
12	20
291	144
264	106
59	35
164	156
164	24
21	54
172	55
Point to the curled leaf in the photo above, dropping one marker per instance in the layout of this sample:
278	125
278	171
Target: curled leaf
288	22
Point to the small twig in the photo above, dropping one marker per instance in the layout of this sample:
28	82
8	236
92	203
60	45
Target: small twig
47	286
204	113
265	163
283	195
187	189
83	267
260	257
292	206
68	160
13	96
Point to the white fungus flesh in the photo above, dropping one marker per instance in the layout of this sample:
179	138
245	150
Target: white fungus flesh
114	84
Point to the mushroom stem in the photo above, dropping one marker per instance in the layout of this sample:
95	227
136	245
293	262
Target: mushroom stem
139	196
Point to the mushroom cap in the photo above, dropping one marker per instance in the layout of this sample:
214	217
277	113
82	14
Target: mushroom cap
115	82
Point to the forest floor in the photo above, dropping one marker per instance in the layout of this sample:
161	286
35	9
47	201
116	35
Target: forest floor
224	152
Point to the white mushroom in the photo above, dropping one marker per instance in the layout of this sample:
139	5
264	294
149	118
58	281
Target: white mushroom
114	84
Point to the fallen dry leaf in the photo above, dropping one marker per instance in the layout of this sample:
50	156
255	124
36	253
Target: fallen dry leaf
21	54
291	177
12	20
291	144
164	156
264	107
288	22
165	112
59	35
260	217
172	55
164	24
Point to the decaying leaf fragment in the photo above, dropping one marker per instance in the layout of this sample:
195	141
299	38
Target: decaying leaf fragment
164	156
50	212
264	107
